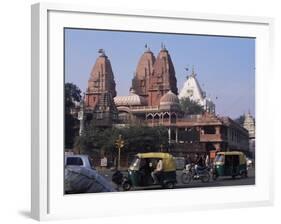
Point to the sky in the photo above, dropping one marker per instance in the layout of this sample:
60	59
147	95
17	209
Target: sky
225	66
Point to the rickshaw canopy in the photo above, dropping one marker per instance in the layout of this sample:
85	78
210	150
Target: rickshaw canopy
169	163
242	157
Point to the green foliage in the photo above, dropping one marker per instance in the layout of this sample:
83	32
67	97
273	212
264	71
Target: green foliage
191	107
72	95
136	139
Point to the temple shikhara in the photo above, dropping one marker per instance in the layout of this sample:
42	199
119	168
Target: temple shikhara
154	100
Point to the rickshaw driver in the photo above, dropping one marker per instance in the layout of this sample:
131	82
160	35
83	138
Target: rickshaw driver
155	174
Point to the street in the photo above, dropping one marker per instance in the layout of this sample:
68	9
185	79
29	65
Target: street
221	181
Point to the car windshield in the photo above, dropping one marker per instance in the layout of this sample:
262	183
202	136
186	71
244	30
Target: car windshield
74	161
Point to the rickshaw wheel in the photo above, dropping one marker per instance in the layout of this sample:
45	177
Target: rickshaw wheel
126	186
169	185
214	177
205	178
244	174
186	178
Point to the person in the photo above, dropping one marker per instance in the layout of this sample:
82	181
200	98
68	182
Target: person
207	161
144	170
187	160
155	173
199	163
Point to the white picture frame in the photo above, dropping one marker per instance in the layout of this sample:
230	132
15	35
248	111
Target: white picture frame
48	200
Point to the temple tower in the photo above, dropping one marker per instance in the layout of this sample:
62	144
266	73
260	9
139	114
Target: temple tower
163	78
140	82
192	90
105	113
249	124
101	80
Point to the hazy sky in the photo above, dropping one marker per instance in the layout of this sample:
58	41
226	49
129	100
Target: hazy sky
225	66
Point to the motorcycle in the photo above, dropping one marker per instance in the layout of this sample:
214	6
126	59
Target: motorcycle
189	174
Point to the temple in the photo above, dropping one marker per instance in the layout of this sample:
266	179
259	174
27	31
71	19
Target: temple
192	90
249	124
101	80
153	100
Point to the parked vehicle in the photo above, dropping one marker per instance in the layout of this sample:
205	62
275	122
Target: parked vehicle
230	164
79	160
139	172
82	177
189	174
85	180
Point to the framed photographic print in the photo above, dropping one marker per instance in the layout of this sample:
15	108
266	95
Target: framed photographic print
156	110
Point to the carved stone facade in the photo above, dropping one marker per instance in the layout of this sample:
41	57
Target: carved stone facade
143	74
101	80
163	78
105	113
192	90
249	124
154	78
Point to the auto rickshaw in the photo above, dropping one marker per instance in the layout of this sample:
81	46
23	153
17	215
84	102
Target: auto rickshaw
139	172
230	164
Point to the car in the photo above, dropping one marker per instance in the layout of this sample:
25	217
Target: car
82	177
79	160
84	180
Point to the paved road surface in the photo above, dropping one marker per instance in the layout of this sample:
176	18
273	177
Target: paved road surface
221	181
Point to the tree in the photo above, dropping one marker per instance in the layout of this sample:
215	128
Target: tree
191	107
72	95
136	139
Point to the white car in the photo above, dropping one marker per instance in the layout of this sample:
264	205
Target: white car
78	160
82	177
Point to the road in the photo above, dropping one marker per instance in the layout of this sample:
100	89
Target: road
221	181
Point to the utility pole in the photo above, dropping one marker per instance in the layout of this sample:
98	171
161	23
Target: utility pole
119	144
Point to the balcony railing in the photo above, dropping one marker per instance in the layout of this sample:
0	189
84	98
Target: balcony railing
141	108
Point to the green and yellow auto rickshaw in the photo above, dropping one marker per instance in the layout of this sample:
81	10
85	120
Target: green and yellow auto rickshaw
142	166
230	164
